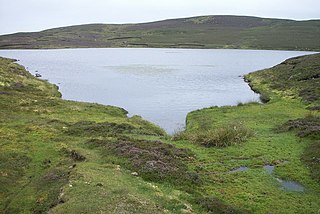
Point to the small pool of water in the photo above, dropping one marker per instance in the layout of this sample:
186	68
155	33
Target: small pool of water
269	168
285	184
240	169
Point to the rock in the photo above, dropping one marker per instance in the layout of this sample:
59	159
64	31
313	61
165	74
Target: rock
38	75
73	166
185	211
134	173
61	198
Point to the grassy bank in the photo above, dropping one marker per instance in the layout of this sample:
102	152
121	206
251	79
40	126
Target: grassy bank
233	32
292	92
60	156
50	163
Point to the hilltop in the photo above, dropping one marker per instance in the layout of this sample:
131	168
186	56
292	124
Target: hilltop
241	32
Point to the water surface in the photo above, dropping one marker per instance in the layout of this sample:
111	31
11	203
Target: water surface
285	184
161	85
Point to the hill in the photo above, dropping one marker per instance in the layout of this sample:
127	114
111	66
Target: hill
195	32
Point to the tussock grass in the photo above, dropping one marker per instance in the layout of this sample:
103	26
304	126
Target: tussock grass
228	135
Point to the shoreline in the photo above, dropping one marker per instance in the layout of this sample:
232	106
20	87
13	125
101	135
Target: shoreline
73	152
170	132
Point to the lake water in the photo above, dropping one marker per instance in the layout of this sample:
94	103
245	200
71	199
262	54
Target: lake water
161	85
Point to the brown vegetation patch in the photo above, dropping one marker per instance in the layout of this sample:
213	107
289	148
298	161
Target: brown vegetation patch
153	160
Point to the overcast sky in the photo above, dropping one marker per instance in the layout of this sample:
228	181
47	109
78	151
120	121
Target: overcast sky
35	15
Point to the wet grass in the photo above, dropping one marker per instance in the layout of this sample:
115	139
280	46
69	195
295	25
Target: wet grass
278	126
308	128
46	164
61	156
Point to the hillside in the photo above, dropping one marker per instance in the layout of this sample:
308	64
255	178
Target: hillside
60	156
196	32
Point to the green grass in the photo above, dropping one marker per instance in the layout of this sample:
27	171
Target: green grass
238	32
46	164
295	158
230	134
61	156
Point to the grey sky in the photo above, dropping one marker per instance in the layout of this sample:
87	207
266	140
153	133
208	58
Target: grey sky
35	15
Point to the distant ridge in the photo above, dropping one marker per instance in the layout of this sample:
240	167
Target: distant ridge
243	32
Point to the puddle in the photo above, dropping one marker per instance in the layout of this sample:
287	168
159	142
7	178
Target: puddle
287	185
291	186
240	169
269	168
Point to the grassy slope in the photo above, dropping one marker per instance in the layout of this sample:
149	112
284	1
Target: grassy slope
292	87
43	143
196	32
44	140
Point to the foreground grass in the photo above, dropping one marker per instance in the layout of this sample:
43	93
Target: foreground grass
61	156
295	155
46	163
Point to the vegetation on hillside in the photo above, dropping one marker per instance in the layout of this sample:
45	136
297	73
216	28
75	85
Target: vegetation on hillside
196	32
